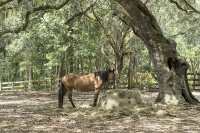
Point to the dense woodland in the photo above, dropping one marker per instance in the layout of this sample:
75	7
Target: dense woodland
46	38
154	45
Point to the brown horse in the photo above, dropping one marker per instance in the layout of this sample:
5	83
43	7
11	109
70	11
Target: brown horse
88	82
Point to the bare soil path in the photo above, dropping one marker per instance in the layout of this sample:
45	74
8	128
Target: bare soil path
37	112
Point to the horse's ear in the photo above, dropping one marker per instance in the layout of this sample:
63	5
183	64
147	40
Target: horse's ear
111	69
107	68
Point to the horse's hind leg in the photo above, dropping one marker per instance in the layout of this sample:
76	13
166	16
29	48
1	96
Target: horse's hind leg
61	94
70	98
96	97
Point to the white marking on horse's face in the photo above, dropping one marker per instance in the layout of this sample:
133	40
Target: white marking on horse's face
98	78
98	82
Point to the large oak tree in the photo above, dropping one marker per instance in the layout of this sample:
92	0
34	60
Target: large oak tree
170	68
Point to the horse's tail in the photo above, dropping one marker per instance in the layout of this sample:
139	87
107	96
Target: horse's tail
61	94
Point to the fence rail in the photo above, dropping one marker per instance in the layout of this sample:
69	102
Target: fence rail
47	83
193	78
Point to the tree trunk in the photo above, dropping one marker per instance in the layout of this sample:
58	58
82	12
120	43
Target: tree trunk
82	64
131	68
62	71
98	61
90	65
30	85
170	68
77	65
71	59
119	63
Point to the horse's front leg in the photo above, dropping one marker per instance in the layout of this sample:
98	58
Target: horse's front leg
70	98
96	97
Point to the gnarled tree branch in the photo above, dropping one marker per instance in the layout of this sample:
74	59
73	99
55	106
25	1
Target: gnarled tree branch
5	2
190	10
191	7
146	2
29	13
79	14
178	6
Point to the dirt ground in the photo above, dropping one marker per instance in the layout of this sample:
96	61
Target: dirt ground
37	112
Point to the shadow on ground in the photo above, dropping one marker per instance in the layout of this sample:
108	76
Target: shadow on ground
37	112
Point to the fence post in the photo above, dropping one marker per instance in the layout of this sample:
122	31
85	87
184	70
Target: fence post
26	85
30	85
12	85
45	84
50	84
194	81
0	86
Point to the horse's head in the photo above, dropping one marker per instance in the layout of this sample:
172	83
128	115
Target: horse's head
106	75
111	73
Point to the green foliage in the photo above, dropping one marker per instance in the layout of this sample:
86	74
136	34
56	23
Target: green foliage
84	44
192	55
144	80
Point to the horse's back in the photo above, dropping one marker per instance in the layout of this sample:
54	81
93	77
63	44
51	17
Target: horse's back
85	82
68	80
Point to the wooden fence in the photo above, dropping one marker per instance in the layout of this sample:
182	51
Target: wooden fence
25	85
49	84
194	80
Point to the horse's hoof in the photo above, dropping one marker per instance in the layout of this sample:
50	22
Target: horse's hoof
93	105
60	106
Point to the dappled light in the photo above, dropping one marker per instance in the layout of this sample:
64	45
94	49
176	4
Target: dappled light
36	115
171	99
105	66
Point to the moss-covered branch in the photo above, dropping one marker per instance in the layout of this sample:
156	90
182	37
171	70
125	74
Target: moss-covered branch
29	13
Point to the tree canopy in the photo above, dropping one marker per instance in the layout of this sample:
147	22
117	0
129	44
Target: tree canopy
87	36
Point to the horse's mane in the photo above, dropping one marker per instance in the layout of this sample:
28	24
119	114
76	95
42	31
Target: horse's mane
102	74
